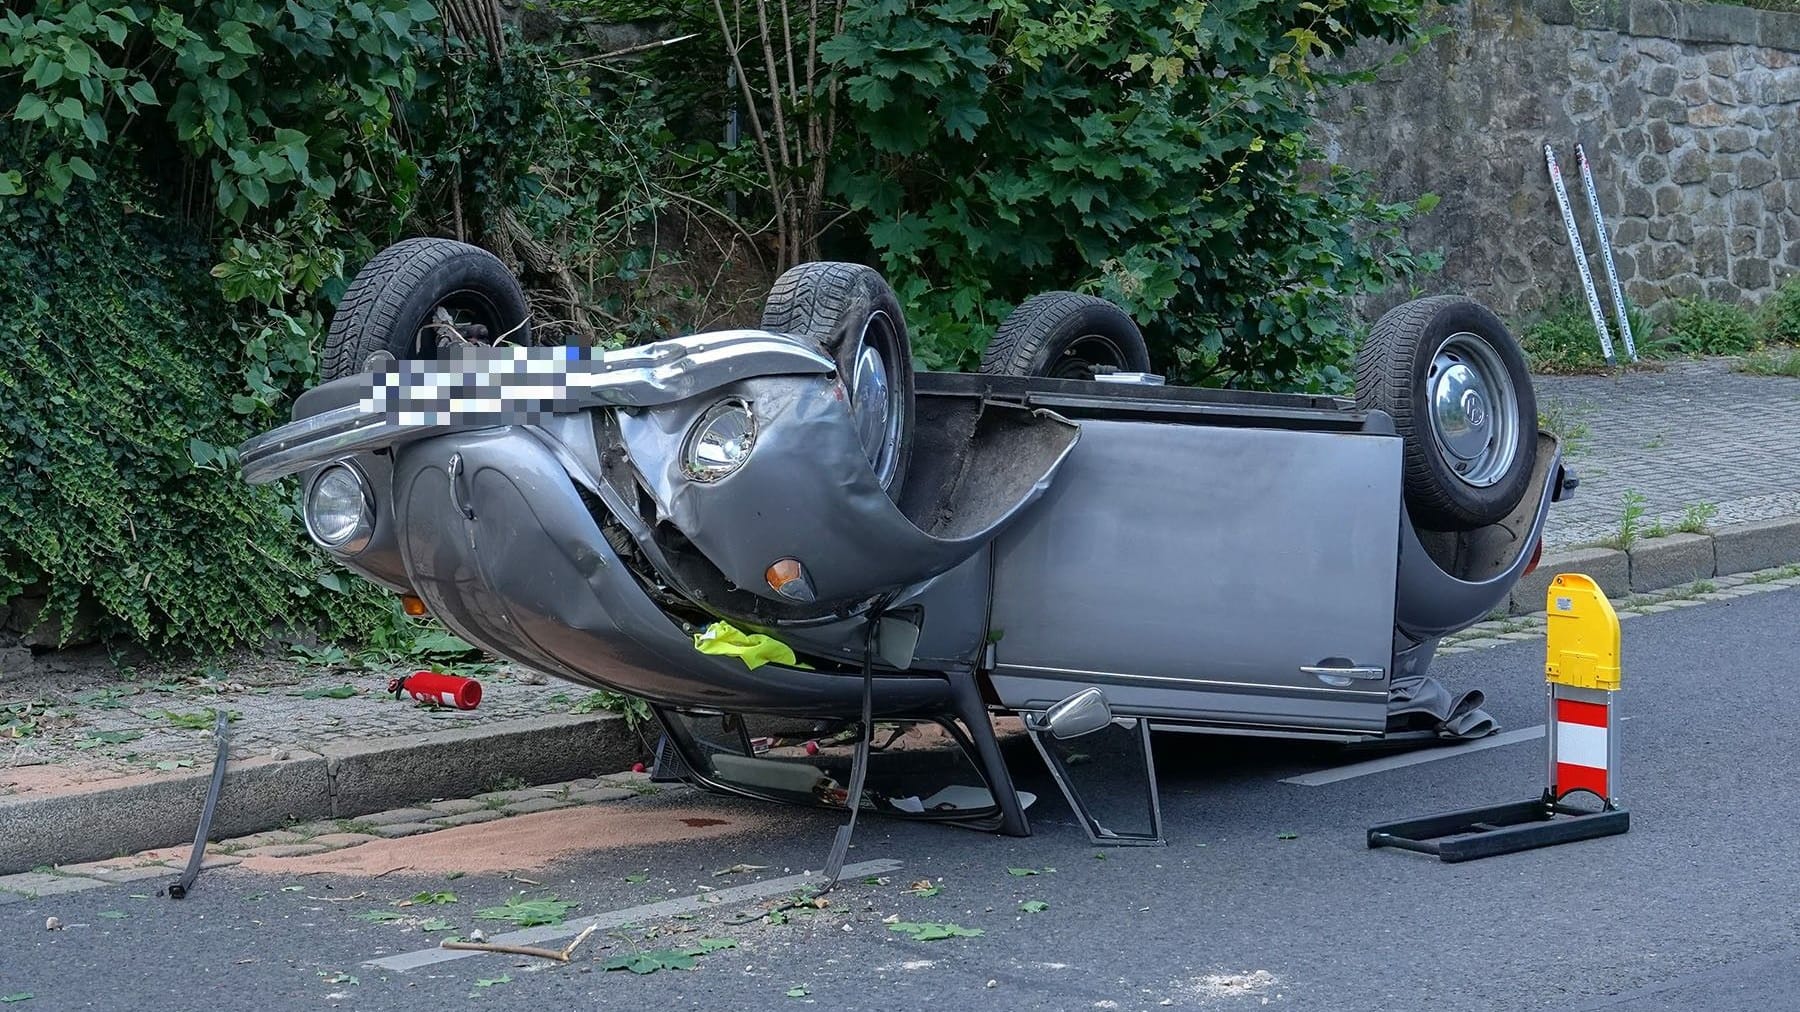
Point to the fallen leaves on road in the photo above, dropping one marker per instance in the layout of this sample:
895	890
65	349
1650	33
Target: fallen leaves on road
797	992
427	899
1287	836
1034	906
487	982
924	887
529	913
652	960
113	915
380	916
100	738
17	996
931	931
435	924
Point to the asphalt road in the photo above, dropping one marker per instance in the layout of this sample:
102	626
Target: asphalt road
1694	908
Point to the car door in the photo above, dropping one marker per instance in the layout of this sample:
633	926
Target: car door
1234	572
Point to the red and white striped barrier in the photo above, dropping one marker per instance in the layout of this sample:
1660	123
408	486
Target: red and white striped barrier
1581	746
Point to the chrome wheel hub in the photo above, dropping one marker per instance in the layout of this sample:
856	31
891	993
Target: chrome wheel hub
1473	409
869	400
874	400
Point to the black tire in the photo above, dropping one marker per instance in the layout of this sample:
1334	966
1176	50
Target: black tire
398	292
845	308
1412	353
1066	335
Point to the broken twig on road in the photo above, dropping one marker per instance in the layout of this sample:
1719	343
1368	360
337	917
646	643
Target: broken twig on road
555	955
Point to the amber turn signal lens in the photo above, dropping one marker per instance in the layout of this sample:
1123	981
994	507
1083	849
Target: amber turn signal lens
787	577
412	605
782	573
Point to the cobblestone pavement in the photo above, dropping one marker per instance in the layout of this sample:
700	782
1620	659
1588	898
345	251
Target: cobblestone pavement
1688	435
83	720
303	839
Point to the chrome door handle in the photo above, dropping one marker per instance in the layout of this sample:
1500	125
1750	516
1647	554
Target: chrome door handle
1344	675
455	472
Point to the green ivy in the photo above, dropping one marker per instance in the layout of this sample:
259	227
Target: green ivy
1158	154
122	492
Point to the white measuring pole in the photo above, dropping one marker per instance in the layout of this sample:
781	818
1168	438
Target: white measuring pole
1581	264
1606	257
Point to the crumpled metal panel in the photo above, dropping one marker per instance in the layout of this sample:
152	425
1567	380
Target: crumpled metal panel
530	576
807	492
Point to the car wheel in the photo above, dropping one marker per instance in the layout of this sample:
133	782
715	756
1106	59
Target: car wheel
849	311
418	295
1458	389
1065	335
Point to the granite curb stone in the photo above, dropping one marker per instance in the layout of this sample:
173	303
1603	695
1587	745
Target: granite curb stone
1658	563
348	780
1761	545
1608	567
381	775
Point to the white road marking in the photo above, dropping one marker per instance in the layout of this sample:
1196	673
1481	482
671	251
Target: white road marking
1394	762
632	915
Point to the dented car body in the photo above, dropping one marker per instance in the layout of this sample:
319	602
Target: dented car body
836	578
1209	560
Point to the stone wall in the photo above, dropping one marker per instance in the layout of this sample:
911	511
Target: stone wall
1688	113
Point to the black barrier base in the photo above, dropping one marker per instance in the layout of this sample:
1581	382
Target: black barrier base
1499	829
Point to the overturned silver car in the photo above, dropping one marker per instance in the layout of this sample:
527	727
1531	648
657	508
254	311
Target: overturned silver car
814	562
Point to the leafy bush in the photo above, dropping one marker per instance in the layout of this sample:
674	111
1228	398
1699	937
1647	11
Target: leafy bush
115	399
1780	316
1157	154
1707	327
1563	340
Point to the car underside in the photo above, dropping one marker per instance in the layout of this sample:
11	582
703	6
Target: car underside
833	577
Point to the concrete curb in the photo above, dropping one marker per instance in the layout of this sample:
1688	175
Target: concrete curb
341	781
1671	561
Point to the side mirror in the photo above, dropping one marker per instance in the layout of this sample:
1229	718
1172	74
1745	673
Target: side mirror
1083	713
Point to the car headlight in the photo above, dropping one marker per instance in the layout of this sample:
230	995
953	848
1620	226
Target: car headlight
719	442
340	510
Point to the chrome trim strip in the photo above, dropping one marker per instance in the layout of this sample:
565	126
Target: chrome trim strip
1205	684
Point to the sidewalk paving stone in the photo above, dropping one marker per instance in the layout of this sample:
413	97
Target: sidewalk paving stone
1687	434
455	806
470	818
34	883
335	841
529	805
397	816
592	794
396	830
285	850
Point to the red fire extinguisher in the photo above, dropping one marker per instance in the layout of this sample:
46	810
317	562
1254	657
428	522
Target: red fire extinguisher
442	689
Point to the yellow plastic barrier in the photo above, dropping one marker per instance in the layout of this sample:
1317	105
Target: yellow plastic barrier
1582	638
